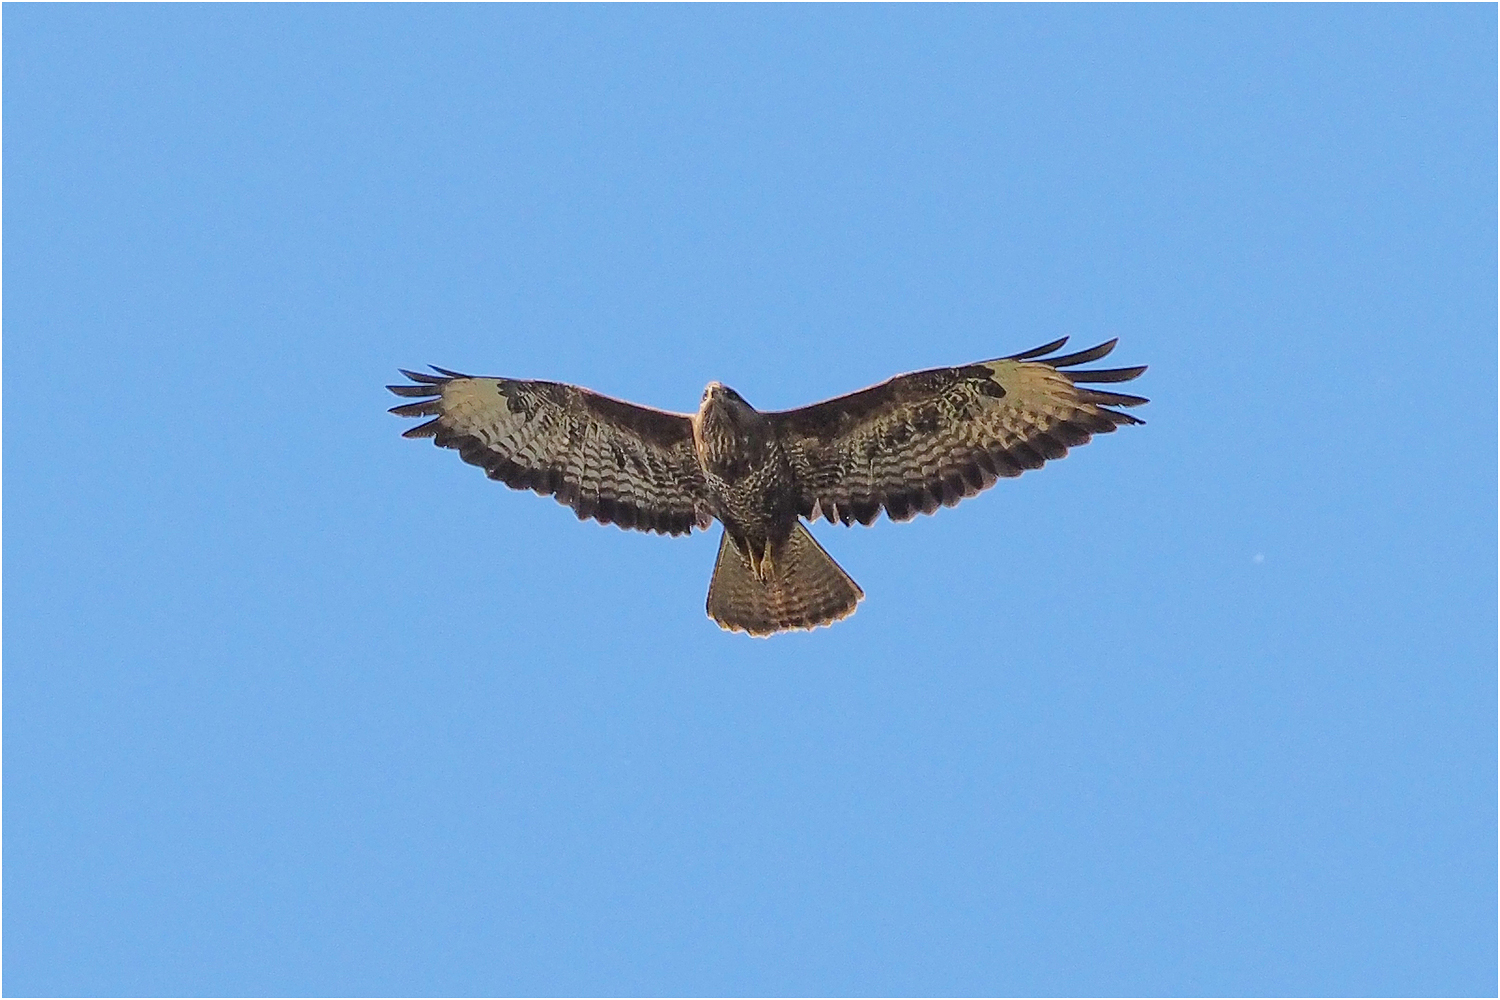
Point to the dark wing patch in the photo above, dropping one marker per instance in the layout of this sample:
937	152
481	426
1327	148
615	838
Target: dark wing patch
609	460
930	438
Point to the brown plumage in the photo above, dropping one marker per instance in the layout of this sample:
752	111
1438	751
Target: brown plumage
906	446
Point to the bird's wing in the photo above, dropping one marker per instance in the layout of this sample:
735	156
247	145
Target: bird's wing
933	437
609	460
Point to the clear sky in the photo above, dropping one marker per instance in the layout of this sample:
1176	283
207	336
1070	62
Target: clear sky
292	705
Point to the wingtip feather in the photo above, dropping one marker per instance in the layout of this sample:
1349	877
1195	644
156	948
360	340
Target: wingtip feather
422	408
1037	352
1083	357
1111	398
429	429
416	390
1106	374
421	377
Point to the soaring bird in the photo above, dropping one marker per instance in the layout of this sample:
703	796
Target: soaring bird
906	446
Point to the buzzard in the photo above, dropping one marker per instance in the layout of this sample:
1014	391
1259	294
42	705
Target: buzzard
908	445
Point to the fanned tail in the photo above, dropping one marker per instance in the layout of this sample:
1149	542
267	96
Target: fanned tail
806	588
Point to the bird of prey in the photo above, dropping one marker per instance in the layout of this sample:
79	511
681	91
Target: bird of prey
908	445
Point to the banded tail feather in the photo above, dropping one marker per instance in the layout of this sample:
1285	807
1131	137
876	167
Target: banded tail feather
805	588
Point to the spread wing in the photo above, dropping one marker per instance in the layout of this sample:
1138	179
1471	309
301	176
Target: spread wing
933	437
609	460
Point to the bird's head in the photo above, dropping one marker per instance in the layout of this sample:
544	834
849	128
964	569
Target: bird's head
723	403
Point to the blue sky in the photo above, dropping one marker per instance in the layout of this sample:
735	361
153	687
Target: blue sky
292	705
